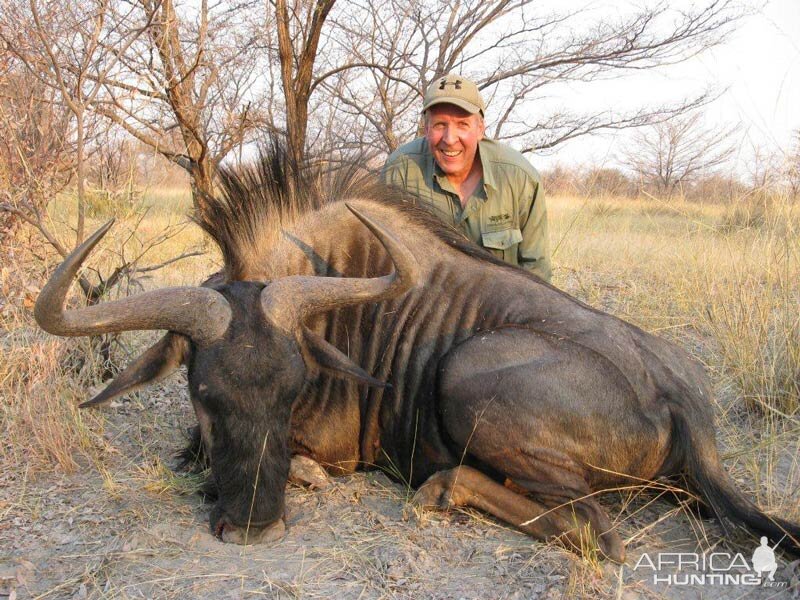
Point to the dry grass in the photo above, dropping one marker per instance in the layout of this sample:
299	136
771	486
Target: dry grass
42	426
729	294
42	379
157	478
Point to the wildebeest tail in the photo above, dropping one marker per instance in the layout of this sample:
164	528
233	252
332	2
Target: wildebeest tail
718	490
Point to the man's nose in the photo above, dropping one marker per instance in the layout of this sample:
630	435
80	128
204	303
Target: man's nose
449	137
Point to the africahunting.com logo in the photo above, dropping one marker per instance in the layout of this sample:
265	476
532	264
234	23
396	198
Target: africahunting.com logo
715	568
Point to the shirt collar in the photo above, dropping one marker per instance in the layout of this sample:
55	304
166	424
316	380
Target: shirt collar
485	150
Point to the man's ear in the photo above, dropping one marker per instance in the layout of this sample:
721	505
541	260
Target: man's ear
318	352
158	361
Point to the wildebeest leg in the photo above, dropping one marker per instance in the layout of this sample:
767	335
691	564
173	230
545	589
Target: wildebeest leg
553	416
308	472
571	496
571	523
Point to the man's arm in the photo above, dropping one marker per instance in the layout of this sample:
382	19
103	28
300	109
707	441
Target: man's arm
534	250
392	173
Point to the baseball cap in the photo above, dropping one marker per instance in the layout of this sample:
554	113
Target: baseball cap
454	89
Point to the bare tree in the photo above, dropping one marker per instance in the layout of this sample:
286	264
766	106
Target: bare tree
519	54
763	167
723	186
599	181
299	31
375	108
561	179
56	59
36	148
57	47
113	167
187	87
669	155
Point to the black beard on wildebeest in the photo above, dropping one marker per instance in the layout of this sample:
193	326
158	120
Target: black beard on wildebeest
501	392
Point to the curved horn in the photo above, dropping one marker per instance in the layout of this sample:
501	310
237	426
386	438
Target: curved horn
289	300
200	313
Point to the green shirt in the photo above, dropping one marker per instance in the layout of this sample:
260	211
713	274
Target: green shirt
506	212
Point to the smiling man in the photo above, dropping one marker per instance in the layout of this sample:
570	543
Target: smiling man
486	189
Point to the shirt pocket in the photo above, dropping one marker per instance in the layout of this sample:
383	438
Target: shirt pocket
503	243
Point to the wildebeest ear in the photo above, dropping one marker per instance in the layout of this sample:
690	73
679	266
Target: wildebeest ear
329	357
158	361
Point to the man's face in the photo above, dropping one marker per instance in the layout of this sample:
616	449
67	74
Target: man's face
453	135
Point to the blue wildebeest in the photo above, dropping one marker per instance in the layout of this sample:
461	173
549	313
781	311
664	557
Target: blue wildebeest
351	328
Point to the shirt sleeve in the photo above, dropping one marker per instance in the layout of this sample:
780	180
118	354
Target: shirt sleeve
534	250
392	173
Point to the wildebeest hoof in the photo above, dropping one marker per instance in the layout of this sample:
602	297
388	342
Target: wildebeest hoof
246	536
605	546
308	472
432	497
611	546
441	490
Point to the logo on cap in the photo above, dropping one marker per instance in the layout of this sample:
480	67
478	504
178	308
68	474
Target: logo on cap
444	83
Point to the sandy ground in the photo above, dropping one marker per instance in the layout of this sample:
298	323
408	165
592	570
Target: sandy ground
135	531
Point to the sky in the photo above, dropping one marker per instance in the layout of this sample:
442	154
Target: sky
759	70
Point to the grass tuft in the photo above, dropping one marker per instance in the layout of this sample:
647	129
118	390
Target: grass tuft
43	427
157	478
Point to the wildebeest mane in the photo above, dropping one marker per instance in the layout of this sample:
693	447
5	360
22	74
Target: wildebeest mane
257	200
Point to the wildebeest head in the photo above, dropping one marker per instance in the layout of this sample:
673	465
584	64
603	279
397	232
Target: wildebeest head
246	348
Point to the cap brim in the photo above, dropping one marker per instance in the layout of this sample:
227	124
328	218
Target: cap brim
460	103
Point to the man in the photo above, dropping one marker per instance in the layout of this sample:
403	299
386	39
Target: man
484	188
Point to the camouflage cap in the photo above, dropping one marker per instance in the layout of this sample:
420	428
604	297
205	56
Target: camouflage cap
454	89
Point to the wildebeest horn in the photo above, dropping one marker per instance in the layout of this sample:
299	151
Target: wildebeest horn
200	313
289	300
